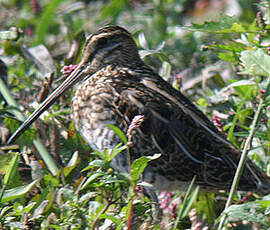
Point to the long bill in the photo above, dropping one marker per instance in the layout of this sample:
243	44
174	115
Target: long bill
69	81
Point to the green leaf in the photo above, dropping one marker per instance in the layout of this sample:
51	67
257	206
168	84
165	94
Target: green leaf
111	180
229	57
50	179
29	207
94	164
17	192
264	203
202	102
145	184
114	219
236	84
155	54
91	178
118	149
235	119
139	165
109	154
249	211
99	154
188	202
11	123
225	24
245	114
40	209
4	210
166	69
5	160
12	169
71	164
232	46
189	198
267	210
267	101
119	132
255	62
206	205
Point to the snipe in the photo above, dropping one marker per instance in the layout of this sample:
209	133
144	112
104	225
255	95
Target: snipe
113	85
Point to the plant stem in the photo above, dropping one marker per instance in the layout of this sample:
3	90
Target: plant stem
243	158
2	191
101	212
130	215
133	187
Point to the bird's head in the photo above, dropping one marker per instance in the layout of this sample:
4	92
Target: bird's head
110	45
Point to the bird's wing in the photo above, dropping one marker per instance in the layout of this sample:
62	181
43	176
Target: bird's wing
170	124
186	138
186	124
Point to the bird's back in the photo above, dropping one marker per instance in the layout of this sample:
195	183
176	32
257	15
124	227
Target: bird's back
188	142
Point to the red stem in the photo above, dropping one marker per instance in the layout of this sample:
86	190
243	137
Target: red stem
131	208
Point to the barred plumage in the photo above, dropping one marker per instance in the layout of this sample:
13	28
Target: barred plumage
114	85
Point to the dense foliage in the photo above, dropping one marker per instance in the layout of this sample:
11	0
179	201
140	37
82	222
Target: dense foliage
51	179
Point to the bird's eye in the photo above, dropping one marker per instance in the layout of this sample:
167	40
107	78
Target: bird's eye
102	41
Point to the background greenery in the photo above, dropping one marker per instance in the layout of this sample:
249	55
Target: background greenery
221	62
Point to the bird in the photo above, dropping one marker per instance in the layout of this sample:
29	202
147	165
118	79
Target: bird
113	85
